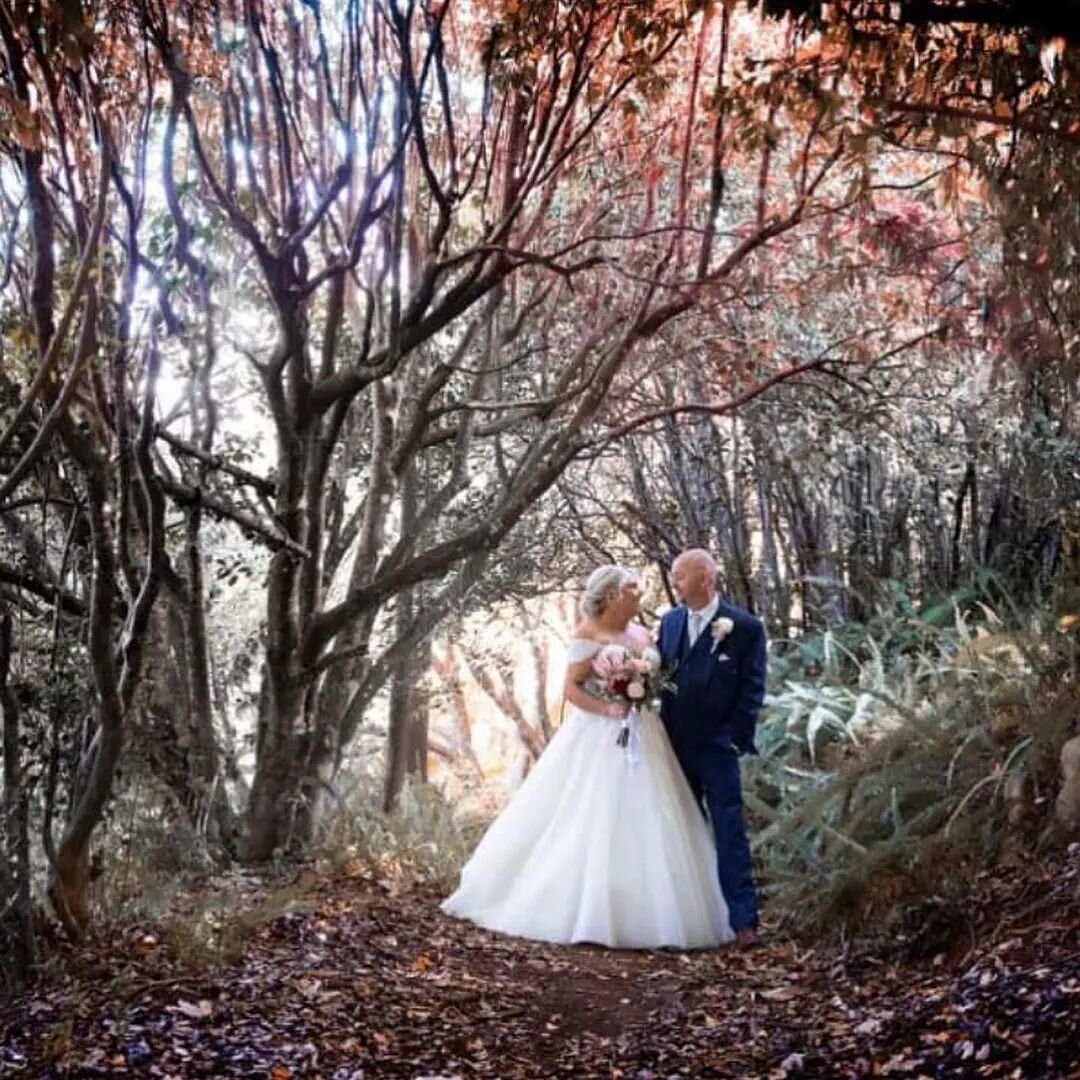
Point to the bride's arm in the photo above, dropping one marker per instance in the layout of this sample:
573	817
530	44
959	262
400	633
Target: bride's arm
576	694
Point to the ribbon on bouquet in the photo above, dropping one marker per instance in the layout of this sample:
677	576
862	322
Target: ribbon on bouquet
630	735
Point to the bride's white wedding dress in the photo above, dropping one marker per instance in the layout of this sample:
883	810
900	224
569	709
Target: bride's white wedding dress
599	845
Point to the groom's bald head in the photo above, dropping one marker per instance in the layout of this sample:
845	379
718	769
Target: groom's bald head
697	557
693	574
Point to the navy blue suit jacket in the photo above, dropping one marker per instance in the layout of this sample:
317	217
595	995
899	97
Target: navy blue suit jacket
719	691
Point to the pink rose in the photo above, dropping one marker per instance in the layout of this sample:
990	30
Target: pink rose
609	660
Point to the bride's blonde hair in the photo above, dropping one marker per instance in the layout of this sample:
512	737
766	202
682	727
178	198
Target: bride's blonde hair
601	586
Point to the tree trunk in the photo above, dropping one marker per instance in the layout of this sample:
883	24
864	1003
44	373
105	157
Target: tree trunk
501	693
540	653
117	671
206	771
957	547
449	668
740	544
776	602
276	790
407	738
15	912
71	881
863	508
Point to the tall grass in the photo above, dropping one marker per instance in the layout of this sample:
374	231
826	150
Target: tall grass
422	841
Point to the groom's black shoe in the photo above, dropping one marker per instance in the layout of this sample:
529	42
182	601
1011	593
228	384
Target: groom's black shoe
747	937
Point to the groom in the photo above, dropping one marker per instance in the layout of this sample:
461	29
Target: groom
718	653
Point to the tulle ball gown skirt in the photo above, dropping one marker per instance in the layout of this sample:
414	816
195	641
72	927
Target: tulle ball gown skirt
599	845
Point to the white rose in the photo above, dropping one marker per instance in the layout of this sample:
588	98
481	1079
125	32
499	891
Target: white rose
651	656
721	628
635	691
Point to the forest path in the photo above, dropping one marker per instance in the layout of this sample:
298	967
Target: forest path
341	978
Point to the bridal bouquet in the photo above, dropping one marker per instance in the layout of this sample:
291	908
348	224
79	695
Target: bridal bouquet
636	679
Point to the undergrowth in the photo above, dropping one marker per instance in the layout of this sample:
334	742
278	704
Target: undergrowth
896	776
423	840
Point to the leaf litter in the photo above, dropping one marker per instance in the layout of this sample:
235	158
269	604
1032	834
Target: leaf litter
363	981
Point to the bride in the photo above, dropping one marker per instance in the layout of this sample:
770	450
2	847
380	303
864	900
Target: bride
600	844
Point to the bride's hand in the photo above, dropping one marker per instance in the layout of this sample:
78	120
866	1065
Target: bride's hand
615	710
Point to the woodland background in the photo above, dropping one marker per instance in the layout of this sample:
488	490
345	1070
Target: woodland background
338	341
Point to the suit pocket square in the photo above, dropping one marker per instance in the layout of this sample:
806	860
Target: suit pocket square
722	658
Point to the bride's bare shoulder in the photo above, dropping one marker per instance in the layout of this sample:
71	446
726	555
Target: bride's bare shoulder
584	632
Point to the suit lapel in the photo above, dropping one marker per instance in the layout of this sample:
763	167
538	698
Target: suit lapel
678	628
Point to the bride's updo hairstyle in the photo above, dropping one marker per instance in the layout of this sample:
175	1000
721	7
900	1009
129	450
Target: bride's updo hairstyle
602	586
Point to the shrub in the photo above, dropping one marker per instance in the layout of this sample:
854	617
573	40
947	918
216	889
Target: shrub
883	784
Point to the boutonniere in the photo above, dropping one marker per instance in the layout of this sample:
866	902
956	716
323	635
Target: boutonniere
720	630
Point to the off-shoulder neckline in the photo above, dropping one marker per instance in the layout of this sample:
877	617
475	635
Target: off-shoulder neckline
577	640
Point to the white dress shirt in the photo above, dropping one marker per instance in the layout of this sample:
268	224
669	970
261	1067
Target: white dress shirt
701	618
